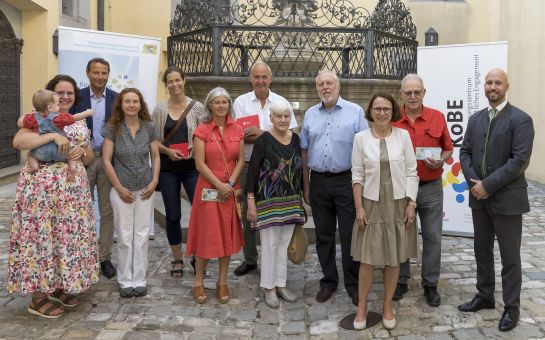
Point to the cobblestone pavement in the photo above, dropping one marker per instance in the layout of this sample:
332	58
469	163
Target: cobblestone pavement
168	311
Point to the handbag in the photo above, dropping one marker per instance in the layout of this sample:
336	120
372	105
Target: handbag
178	124
297	249
239	196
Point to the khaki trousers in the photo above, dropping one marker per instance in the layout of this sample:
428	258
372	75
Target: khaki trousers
96	176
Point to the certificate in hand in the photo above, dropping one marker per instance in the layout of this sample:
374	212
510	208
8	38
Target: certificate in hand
424	153
181	148
248	121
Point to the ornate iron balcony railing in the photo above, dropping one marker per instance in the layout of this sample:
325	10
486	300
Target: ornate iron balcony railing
230	50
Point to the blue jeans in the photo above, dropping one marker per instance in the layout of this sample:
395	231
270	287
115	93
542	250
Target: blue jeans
170	183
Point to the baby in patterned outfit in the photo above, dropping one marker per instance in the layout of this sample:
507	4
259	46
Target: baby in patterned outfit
47	119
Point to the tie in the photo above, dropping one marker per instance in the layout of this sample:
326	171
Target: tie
491	116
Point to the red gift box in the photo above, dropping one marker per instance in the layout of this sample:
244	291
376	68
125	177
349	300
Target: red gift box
181	148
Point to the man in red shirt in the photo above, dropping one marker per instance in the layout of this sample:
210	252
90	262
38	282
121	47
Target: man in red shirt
433	145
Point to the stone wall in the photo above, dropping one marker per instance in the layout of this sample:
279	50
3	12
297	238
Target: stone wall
295	90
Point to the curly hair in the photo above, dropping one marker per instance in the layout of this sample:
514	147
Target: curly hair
63	77
117	113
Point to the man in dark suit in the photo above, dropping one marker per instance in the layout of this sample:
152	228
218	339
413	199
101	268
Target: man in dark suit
98	97
495	153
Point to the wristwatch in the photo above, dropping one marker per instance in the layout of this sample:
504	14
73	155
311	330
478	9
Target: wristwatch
231	183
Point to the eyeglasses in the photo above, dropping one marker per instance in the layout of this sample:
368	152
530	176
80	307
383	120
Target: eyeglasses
411	93
65	94
382	109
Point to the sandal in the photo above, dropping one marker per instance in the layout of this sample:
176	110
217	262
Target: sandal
199	294
44	307
175	272
222	291
63	298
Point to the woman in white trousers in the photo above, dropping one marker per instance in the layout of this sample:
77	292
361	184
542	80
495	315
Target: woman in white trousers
273	187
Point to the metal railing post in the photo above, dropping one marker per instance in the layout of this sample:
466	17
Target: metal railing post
216	50
369	55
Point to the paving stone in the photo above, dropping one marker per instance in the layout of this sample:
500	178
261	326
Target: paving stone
292	328
265	331
323	327
467	334
107	334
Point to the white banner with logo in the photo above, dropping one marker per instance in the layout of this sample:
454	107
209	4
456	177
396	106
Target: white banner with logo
134	60
454	80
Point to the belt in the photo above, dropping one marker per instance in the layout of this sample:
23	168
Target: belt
98	153
422	183
332	174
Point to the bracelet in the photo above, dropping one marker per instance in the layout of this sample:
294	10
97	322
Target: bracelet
250	197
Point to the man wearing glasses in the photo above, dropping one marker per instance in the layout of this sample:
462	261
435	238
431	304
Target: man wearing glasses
433	145
100	98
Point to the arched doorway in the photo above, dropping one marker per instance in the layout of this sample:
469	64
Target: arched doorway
10	109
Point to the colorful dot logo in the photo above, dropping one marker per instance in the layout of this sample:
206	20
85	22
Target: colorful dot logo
453	180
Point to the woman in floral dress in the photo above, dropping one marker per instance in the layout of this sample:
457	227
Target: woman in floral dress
52	250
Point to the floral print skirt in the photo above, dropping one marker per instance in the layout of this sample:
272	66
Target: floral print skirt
53	240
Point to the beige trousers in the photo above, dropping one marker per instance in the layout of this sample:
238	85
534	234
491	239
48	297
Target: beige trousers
96	175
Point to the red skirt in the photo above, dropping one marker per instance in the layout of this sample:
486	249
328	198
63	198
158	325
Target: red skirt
214	227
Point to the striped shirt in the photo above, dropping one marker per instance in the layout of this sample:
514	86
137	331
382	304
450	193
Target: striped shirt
428	130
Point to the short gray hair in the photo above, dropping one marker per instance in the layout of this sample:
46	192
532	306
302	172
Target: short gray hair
321	73
412	76
213	94
263	64
279	106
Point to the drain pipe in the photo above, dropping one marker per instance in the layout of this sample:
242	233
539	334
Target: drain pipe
100	15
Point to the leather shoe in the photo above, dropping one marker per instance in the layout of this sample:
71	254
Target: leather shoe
401	289
324	294
245	268
107	268
476	304
432	296
509	319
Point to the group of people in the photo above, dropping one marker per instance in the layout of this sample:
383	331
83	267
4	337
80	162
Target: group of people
244	179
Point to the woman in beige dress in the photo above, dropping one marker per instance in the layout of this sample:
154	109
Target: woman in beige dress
385	184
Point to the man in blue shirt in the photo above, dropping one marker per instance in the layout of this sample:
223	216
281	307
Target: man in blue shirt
100	98
326	139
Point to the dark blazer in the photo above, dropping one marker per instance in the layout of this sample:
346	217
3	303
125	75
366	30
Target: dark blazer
509	151
85	103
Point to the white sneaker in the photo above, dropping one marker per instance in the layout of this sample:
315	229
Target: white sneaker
285	294
271	299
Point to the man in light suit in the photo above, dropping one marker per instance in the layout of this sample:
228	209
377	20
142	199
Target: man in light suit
495	153
100	98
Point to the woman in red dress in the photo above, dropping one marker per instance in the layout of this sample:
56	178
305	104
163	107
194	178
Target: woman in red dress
214	226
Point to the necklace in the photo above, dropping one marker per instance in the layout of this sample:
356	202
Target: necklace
380	137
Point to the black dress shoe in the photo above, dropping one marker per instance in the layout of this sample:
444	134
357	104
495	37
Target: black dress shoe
325	294
245	268
476	304
401	289
509	319
107	268
432	296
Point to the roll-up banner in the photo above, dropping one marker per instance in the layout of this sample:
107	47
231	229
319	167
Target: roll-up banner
454	80
134	62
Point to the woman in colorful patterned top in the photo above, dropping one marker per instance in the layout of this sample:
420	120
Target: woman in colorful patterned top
273	186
